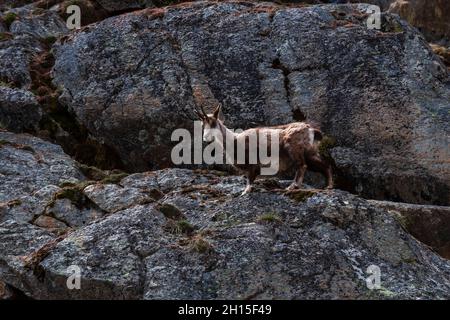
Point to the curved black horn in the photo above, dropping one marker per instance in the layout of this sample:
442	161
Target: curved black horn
198	113
204	113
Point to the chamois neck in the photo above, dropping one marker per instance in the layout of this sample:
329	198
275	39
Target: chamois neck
225	131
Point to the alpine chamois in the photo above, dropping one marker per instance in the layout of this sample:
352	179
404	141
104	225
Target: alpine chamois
297	143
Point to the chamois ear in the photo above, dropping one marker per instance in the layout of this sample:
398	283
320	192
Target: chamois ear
217	111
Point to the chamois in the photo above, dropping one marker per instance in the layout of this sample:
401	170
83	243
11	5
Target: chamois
298	147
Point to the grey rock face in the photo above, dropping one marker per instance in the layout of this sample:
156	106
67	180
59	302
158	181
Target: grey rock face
112	198
19	110
19	240
30	172
29	32
267	244
430	224
65	210
15	56
40	26
381	94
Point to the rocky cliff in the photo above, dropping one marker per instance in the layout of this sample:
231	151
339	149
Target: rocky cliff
381	95
85	115
183	234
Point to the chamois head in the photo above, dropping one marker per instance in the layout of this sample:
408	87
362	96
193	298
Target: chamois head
211	123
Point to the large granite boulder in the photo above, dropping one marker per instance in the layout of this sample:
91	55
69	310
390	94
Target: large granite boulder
26	38
31	173
381	95
190	235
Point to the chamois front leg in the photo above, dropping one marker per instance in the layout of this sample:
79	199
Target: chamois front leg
298	180
329	174
251	176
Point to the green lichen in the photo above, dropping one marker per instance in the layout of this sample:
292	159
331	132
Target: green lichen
325	145
401	219
114	178
92	172
301	195
270	217
155	193
200	245
105	177
73	192
9	18
171	212
185	226
179	227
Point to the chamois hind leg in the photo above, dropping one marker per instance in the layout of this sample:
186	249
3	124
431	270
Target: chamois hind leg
316	162
251	174
298	156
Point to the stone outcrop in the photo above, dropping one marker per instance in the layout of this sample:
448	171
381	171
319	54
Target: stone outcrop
381	95
30	174
123	83
195	237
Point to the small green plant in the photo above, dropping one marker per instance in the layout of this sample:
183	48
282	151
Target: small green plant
9	18
301	195
185	226
199	244
179	227
155	193
114	178
92	172
270	217
325	145
73	192
171	212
